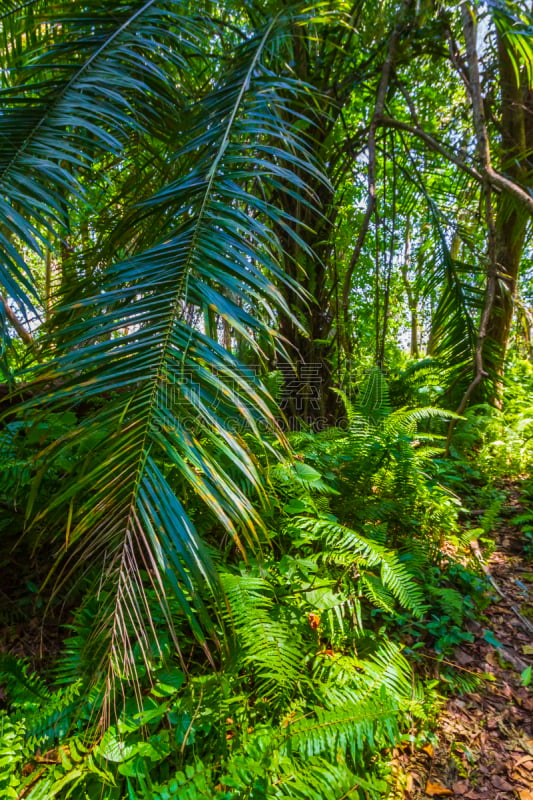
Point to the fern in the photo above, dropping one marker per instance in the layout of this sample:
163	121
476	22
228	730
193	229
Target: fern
266	645
319	779
353	728
14	467
367	554
449	600
12	753
373	402
24	688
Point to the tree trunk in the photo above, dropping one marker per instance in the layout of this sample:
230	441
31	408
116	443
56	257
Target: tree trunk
511	220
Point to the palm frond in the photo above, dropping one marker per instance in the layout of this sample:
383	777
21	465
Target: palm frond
77	88
173	395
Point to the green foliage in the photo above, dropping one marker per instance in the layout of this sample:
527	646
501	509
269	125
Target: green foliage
311	685
162	404
249	605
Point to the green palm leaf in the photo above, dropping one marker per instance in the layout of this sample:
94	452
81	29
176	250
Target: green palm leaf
75	89
176	402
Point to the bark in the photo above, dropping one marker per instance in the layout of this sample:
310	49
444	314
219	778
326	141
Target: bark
21	331
511	216
312	379
507	228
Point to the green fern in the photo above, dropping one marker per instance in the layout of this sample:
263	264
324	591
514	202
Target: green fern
12	755
449	600
319	779
353	728
25	689
365	553
265	644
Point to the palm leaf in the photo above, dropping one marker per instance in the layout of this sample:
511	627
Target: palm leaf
174	398
75	89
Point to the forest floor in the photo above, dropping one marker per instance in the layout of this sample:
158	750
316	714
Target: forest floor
483	744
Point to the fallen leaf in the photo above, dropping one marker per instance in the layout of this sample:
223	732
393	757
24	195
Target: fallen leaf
501	784
521	776
428	748
460	787
525	794
526	761
492	660
437	790
462	657
314	621
527	649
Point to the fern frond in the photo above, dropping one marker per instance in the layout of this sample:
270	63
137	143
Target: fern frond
405	421
393	573
318	778
351	728
265	644
25	689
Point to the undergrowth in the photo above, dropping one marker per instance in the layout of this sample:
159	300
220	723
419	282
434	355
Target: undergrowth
321	659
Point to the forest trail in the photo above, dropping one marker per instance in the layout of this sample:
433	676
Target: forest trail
485	738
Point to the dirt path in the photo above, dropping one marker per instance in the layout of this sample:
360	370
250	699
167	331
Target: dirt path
485	738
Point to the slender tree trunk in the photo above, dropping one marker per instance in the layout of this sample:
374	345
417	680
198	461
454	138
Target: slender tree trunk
411	291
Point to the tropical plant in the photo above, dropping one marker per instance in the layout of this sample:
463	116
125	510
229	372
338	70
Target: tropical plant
153	390
199	206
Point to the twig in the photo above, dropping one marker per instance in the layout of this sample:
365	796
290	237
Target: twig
23	334
191	723
434	144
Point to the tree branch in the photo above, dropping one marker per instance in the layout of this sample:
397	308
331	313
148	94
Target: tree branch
381	95
434	144
483	148
10	315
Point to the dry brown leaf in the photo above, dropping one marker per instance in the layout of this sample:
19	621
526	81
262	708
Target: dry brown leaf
438	790
492	660
313	620
501	784
428	748
525	794
526	761
462	657
521	776
528	703
460	787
